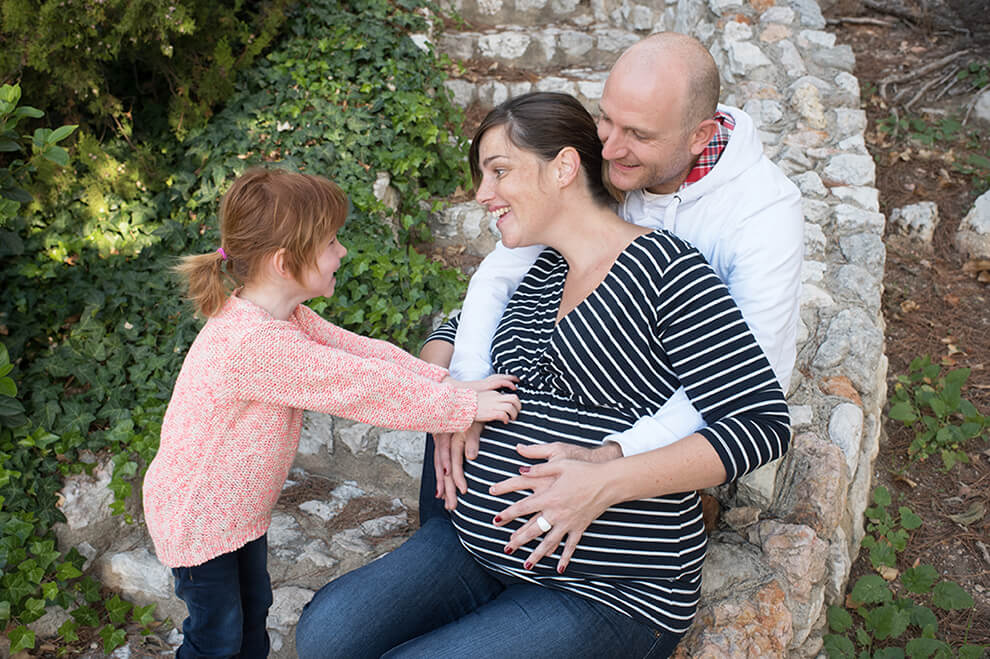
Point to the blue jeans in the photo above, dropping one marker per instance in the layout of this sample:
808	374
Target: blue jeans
228	599
430	598
429	504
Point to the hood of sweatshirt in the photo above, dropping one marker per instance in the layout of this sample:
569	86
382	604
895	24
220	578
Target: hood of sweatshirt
743	151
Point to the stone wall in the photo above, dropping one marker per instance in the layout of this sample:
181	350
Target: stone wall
790	531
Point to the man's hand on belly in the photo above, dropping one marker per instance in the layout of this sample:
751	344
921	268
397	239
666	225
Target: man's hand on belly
448	460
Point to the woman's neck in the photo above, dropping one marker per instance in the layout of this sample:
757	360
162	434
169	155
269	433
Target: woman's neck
591	238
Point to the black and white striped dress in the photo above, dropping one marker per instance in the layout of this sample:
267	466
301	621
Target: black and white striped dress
660	319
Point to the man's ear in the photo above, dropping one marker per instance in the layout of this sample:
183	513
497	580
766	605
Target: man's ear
702	135
567	165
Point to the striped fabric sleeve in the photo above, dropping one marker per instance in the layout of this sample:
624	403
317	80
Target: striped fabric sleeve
447	331
721	366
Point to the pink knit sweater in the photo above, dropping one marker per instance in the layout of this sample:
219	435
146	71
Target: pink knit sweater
232	426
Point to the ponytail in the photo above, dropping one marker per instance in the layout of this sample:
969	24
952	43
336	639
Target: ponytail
207	284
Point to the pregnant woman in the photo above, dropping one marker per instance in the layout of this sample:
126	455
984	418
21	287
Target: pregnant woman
608	323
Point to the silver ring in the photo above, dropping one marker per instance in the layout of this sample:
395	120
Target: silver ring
544	525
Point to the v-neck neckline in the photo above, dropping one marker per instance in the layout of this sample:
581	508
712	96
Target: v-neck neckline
563	282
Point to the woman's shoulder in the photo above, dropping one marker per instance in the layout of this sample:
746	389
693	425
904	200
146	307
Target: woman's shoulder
660	248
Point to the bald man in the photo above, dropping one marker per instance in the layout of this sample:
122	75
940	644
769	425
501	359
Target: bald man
688	165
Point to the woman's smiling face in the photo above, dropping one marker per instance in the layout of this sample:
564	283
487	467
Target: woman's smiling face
511	189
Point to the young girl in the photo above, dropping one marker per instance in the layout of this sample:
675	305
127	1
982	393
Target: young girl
232	426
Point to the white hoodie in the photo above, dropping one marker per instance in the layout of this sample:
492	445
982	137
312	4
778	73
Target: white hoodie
744	216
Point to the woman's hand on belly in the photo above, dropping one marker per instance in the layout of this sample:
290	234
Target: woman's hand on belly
568	492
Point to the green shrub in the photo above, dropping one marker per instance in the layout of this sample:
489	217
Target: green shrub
895	620
16	172
931	403
104	59
95	322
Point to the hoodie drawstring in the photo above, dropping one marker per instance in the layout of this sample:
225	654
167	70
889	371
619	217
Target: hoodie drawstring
670	215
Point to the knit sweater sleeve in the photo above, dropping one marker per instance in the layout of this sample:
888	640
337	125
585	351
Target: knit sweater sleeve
328	334
721	366
279	363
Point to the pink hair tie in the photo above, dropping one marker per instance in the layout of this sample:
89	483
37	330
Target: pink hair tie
223	254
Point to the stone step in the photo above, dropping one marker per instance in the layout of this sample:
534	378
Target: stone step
596	46
622	14
488	91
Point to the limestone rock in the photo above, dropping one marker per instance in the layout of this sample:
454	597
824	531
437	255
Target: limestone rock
406	448
982	108
849	218
287	605
813	484
47	625
778	14
845	429
752	622
317	433
973	235
854	342
864	249
866	198
355	435
757	487
139	576
85	501
384	192
745	57
851	169
917	221
797	551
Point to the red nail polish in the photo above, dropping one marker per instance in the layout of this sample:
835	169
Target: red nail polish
560	570
498	519
528	565
524	469
508	549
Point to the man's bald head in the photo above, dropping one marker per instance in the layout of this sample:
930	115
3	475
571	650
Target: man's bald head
675	64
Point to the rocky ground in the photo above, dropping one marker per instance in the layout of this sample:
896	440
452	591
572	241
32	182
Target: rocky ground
936	301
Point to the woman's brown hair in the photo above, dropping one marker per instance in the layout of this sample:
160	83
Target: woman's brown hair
265	210
544	123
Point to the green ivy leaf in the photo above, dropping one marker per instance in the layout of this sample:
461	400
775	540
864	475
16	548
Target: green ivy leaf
89	588
85	616
117	609
68	631
113	638
50	590
66	571
949	596
144	615
21	638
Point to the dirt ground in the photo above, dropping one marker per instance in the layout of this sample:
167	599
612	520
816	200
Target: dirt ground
933	304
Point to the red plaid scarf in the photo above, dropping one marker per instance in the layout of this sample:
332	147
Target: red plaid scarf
711	154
